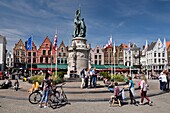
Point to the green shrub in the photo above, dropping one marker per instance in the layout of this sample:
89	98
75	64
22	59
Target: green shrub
37	78
60	74
118	78
40	78
105	75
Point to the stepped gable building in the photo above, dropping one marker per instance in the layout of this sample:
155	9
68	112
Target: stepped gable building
62	54
156	58
44	52
19	52
108	55
119	56
97	56
42	58
34	54
132	55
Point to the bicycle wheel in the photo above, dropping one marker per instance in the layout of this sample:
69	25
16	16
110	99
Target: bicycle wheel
35	97
65	98
53	101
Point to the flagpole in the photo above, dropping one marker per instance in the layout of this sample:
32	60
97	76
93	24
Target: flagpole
147	66
114	57
165	52
56	63
111	57
56	54
129	60
145	50
51	56
131	63
31	55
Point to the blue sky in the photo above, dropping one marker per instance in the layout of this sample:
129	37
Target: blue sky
125	20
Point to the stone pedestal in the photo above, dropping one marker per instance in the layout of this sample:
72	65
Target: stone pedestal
78	56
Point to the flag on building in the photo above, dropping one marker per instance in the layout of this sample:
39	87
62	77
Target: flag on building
128	47
164	44
29	44
145	49
114	48
55	42
109	44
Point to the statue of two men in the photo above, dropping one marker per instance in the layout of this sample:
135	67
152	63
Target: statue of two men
79	25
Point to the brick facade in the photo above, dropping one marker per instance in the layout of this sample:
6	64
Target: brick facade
19	54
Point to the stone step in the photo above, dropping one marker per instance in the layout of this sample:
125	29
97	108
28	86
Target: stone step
73	79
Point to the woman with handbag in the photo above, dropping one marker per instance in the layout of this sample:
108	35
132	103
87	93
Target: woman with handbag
143	90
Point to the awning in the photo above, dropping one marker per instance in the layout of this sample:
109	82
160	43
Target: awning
59	66
107	66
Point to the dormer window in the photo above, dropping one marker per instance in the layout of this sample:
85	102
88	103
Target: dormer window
62	49
97	50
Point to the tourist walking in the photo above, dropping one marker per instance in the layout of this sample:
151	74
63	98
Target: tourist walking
16	85
86	78
131	91
167	78
94	77
143	90
160	81
90	76
82	73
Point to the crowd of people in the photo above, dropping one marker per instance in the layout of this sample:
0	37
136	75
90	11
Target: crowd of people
143	86
118	95
164	80
89	78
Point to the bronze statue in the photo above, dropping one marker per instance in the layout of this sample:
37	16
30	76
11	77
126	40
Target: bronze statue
79	25
82	28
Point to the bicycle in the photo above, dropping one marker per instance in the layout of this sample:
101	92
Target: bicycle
58	97
35	97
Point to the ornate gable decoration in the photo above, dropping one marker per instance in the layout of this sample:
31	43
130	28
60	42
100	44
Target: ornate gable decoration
19	45
45	44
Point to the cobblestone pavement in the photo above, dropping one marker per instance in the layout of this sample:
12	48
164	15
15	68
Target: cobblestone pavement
160	105
16	102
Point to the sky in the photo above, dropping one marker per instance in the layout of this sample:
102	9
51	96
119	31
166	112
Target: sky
126	20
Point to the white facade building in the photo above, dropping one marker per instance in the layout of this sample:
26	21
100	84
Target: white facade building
9	60
155	58
2	52
97	56
132	55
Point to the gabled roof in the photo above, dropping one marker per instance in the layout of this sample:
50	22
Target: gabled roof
124	46
47	40
62	44
167	44
151	46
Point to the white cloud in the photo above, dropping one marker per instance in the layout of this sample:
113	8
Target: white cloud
12	37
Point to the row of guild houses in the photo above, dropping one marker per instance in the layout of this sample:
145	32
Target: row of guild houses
130	55
41	58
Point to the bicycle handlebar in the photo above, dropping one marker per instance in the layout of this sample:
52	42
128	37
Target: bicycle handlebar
60	85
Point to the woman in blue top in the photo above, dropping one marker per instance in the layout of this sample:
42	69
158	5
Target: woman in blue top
46	88
131	91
